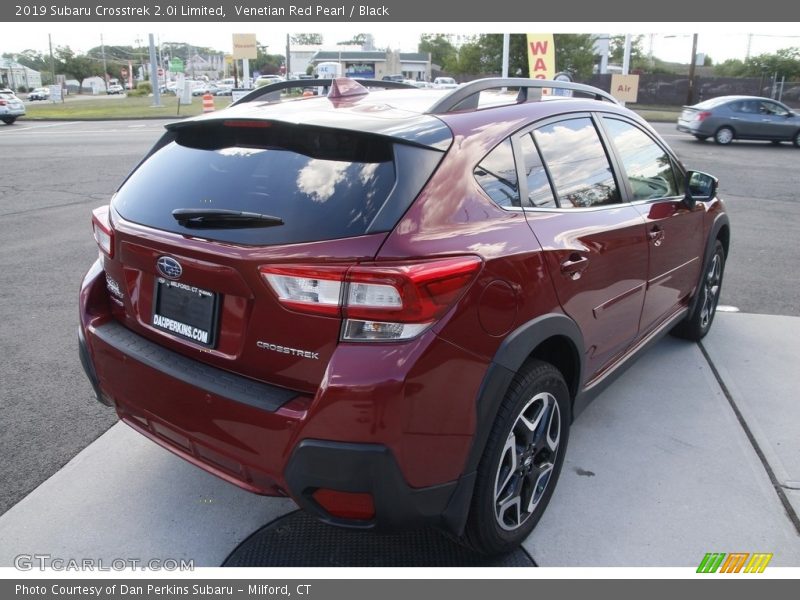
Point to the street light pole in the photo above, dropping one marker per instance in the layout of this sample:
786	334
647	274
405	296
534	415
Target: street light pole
690	93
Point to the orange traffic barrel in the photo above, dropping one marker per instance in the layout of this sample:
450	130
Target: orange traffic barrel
208	102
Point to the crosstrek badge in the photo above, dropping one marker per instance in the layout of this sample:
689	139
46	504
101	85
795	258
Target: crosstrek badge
285	350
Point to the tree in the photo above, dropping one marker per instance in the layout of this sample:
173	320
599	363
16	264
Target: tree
785	62
307	39
78	66
469	59
268	64
733	67
616	50
443	52
575	53
358	39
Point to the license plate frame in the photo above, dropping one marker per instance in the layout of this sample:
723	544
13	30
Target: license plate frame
186	311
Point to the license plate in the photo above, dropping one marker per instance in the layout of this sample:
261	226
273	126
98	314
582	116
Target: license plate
186	311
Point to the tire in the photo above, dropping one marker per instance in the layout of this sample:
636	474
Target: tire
522	460
697	325
701	138
796	140
724	136
9	120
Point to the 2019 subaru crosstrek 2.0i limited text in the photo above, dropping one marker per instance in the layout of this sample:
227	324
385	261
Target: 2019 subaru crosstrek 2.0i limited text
390	304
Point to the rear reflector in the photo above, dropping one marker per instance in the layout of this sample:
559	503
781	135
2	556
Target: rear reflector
379	301
346	505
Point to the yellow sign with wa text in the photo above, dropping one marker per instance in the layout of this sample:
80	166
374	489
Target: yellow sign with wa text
541	56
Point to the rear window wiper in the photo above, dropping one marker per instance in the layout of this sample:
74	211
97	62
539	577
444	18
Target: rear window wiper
216	218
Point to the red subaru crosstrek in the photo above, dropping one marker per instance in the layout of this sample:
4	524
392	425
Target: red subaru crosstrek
391	304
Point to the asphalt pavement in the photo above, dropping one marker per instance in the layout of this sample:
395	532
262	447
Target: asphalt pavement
677	455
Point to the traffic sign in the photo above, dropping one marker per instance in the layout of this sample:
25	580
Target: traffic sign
176	65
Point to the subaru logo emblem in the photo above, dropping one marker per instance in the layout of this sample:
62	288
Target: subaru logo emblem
169	267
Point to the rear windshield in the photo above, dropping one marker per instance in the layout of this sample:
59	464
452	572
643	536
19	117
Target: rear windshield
324	184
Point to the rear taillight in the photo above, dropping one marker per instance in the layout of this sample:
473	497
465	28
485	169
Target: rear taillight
3	102
307	289
702	116
379	302
103	234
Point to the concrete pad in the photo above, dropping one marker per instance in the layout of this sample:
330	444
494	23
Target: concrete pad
757	358
126	497
659	472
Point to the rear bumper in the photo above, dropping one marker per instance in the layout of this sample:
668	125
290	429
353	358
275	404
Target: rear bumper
404	443
694	127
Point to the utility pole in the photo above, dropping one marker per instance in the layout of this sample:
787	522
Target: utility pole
288	59
105	69
154	74
52	60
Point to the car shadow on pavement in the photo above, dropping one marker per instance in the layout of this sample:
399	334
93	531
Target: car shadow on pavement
299	540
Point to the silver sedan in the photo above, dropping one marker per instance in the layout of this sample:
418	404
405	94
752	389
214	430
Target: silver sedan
729	118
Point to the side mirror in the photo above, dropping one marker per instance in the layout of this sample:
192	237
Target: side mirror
699	186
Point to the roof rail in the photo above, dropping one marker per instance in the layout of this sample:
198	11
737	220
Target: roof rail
272	91
465	97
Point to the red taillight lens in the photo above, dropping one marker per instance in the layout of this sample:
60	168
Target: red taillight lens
380	301
3	102
702	116
416	293
103	234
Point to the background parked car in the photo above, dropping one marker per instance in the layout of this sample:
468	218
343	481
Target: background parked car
11	107
115	88
41	93
267	79
206	88
444	83
729	118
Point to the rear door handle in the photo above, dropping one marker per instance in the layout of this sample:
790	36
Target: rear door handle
574	266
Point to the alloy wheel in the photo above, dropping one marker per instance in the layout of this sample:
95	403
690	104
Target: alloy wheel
527	461
711	287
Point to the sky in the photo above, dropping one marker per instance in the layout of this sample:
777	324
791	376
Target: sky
670	41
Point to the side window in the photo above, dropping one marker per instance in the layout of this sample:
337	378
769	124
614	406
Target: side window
647	165
750	107
578	163
540	194
770	108
497	175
